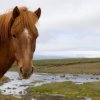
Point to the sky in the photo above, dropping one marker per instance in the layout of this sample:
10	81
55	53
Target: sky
67	28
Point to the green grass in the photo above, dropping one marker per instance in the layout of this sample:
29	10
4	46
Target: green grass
69	61
70	90
70	66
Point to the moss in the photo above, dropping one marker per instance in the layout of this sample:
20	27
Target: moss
69	89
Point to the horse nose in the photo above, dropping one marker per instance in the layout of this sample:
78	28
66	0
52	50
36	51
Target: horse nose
32	70
26	72
23	70
20	69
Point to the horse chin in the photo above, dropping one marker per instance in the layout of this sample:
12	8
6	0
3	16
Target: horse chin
23	77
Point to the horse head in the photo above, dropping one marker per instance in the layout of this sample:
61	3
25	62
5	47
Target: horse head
23	34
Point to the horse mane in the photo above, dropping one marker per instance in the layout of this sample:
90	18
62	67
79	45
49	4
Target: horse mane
26	19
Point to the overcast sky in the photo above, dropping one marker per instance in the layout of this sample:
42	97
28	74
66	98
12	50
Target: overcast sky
65	26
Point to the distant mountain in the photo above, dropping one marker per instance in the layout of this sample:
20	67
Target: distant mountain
48	57
68	54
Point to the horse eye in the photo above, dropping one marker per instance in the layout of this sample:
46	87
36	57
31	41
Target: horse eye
14	35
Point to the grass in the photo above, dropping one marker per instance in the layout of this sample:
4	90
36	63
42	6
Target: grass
65	61
70	66
8	97
70	90
4	80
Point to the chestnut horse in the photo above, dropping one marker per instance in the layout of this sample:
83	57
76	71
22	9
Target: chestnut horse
18	35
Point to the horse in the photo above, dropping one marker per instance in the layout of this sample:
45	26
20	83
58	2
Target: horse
18	34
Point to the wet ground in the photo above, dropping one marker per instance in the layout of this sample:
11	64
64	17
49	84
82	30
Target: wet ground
17	87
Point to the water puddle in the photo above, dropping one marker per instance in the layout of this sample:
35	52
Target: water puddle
88	98
17	87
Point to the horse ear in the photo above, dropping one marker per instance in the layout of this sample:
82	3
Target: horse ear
38	12
15	13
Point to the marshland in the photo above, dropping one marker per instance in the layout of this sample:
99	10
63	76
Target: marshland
72	79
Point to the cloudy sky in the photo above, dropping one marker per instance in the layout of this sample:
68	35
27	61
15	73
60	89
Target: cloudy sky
67	27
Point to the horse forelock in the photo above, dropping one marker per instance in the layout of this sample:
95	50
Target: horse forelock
25	19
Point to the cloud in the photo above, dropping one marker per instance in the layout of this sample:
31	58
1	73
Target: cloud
74	41
68	54
73	25
69	15
65	25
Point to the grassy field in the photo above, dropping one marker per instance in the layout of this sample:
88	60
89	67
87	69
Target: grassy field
70	66
70	90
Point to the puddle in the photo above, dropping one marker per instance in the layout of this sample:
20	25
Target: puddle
17	87
87	98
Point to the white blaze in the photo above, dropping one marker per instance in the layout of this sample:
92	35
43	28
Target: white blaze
26	32
27	50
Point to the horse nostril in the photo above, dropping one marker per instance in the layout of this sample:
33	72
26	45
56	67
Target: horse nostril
21	70
32	70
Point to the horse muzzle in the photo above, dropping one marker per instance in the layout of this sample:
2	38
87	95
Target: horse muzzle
25	72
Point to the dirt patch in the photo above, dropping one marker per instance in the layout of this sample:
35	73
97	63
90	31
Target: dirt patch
8	97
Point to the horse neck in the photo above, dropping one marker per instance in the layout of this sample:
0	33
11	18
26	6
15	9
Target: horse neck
6	58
